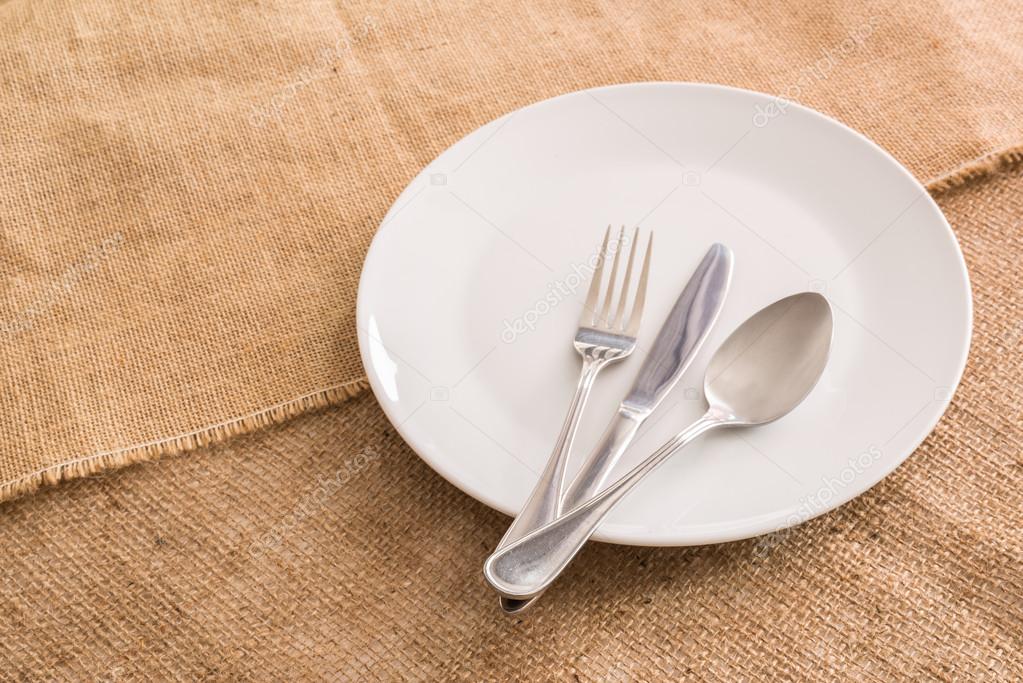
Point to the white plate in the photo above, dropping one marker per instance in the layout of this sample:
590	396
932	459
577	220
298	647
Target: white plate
489	239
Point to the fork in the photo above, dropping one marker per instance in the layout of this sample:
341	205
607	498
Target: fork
601	339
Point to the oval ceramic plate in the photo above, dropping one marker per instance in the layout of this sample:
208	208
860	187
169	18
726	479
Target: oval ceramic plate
471	291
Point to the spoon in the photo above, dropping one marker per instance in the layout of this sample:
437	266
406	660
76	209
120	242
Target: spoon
765	368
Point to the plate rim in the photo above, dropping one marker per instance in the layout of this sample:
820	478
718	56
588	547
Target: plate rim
708	536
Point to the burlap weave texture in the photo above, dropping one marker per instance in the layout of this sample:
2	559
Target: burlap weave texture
187	191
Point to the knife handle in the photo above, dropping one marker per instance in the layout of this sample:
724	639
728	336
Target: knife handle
595	471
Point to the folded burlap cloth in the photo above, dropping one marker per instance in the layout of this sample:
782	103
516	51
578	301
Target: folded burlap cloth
187	191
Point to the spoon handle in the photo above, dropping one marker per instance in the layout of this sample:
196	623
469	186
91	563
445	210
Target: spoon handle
526	567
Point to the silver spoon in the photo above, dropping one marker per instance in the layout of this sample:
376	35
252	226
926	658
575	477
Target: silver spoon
760	373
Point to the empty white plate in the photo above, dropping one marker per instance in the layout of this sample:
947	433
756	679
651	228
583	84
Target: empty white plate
472	288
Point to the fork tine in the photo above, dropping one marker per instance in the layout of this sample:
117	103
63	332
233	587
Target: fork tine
623	297
589	315
637	306
611	283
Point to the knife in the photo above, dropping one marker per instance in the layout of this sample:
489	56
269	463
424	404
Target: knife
677	343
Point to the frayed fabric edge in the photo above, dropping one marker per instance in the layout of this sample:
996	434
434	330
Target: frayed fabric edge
978	169
108	461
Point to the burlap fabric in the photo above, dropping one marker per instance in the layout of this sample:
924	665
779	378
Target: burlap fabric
324	549
187	189
186	194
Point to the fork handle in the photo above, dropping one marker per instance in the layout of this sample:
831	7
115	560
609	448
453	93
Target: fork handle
543	504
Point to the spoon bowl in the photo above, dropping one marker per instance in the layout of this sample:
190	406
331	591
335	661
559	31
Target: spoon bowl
770	362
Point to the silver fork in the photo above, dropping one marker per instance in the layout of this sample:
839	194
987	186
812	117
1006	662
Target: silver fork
602	338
